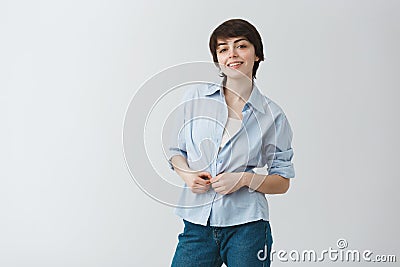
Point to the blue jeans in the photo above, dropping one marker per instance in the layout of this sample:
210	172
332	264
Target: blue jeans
242	245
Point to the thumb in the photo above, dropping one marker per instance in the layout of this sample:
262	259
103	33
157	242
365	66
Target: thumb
216	178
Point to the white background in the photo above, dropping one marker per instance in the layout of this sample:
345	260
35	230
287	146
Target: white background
70	68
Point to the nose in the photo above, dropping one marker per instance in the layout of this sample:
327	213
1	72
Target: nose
232	52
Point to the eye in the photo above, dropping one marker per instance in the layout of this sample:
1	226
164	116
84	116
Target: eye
242	46
222	50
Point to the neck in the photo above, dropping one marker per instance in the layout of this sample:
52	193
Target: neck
239	89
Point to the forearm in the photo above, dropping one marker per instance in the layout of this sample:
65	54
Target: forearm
197	181
180	165
267	184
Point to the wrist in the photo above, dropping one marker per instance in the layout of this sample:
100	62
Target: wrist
245	180
186	176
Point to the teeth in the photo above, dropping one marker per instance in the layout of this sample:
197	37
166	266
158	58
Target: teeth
234	64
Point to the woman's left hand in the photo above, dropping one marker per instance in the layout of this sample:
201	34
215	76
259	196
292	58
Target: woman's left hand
226	183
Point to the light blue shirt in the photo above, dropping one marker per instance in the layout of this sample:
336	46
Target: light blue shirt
264	139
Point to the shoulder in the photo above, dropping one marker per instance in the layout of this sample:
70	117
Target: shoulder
195	89
198	90
274	107
271	107
274	112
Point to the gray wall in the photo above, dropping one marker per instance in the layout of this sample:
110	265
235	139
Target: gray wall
69	70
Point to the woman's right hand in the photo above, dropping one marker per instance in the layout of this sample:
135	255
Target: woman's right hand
198	182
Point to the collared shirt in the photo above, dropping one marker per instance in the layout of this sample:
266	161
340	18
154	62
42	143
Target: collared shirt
264	140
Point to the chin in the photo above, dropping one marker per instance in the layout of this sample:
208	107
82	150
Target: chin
235	74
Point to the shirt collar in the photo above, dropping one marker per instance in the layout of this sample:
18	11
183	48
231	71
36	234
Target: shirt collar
256	99
212	88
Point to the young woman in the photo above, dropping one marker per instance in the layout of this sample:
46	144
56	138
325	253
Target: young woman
226	130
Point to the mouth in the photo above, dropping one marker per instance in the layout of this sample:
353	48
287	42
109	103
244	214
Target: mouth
235	65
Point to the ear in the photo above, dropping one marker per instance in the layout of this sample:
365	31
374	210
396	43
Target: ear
257	59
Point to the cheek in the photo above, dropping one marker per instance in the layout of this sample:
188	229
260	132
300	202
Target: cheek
221	59
250	55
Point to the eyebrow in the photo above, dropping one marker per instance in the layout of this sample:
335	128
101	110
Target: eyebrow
238	40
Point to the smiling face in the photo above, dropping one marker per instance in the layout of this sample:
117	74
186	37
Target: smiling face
236	55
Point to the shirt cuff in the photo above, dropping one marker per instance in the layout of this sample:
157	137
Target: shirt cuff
282	164
175	152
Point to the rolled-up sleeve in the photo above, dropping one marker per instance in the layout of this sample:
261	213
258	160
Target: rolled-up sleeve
176	144
179	148
280	152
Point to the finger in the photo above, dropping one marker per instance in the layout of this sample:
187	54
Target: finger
216	178
205	175
201	181
220	190
199	189
198	186
216	185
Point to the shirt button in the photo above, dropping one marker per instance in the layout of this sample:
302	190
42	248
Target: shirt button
220	162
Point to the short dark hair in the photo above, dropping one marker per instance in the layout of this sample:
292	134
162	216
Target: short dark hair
236	28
